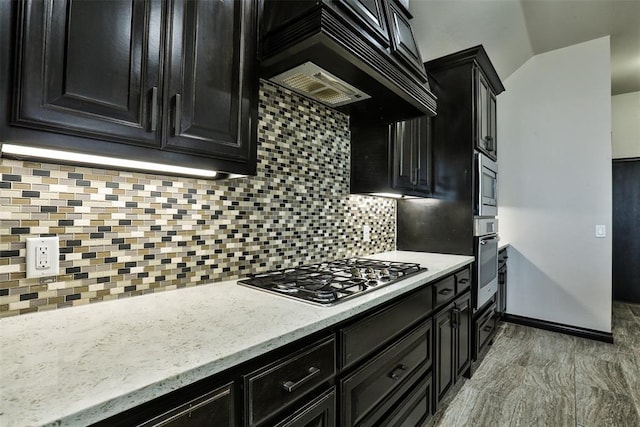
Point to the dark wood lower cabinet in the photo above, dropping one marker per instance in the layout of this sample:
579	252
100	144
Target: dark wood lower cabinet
365	392
321	412
341	376
212	409
415	409
452	345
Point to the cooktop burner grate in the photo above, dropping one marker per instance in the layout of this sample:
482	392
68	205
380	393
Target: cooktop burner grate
330	282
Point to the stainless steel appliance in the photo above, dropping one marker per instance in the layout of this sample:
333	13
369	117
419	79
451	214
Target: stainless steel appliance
486	241
331	282
486	196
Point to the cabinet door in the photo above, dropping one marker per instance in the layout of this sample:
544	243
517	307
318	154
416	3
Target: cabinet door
370	13
321	412
211	83
404	155
485	117
444	349
213	409
411	144
403	42
90	68
462	313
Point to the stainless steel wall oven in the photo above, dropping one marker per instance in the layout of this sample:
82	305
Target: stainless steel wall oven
486	246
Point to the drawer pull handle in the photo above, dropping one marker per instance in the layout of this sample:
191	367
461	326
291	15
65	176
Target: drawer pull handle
488	328
290	386
397	373
445	291
464	281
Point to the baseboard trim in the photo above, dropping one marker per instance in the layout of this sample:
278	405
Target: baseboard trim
559	327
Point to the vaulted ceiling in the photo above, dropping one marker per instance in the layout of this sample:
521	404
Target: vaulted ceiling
512	31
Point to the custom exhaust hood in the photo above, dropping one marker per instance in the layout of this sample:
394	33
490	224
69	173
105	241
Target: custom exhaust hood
358	57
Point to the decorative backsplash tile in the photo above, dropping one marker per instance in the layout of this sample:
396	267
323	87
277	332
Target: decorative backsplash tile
124	234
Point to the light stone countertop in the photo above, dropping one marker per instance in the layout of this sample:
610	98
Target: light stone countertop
75	366
503	244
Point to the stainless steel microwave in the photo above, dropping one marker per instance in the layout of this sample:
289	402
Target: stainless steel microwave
486	186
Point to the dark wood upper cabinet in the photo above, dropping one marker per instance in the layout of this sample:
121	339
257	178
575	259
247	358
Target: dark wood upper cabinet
370	14
76	77
177	77
403	42
411	156
209	87
485	103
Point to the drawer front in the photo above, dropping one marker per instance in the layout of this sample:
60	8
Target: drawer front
214	408
486	327
414	410
321	412
366	388
463	280
273	388
444	290
371	333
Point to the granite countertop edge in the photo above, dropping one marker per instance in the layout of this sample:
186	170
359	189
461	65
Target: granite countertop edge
53	360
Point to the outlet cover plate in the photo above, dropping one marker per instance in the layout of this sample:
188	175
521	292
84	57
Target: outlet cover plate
35	257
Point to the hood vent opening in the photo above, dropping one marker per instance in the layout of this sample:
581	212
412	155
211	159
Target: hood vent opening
316	83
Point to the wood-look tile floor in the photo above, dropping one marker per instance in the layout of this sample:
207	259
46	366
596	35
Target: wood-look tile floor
532	377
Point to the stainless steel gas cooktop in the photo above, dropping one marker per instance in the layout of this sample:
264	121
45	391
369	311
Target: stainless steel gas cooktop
330	282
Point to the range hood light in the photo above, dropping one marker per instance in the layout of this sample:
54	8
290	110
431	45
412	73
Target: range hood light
314	82
26	152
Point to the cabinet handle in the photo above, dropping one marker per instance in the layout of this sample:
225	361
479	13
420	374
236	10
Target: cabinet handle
488	328
397	373
154	109
290	386
445	291
456	317
177	114
490	144
463	281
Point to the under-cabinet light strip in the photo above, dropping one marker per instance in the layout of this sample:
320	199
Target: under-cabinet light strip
69	156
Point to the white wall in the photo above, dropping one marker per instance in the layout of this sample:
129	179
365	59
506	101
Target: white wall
625	122
554	135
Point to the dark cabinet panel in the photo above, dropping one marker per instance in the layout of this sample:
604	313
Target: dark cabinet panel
321	412
89	68
212	409
209	92
371	15
404	44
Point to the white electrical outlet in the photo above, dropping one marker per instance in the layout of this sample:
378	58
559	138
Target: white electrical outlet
601	231
366	233
43	256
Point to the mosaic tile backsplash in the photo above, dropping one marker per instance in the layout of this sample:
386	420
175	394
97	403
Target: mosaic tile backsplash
124	234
